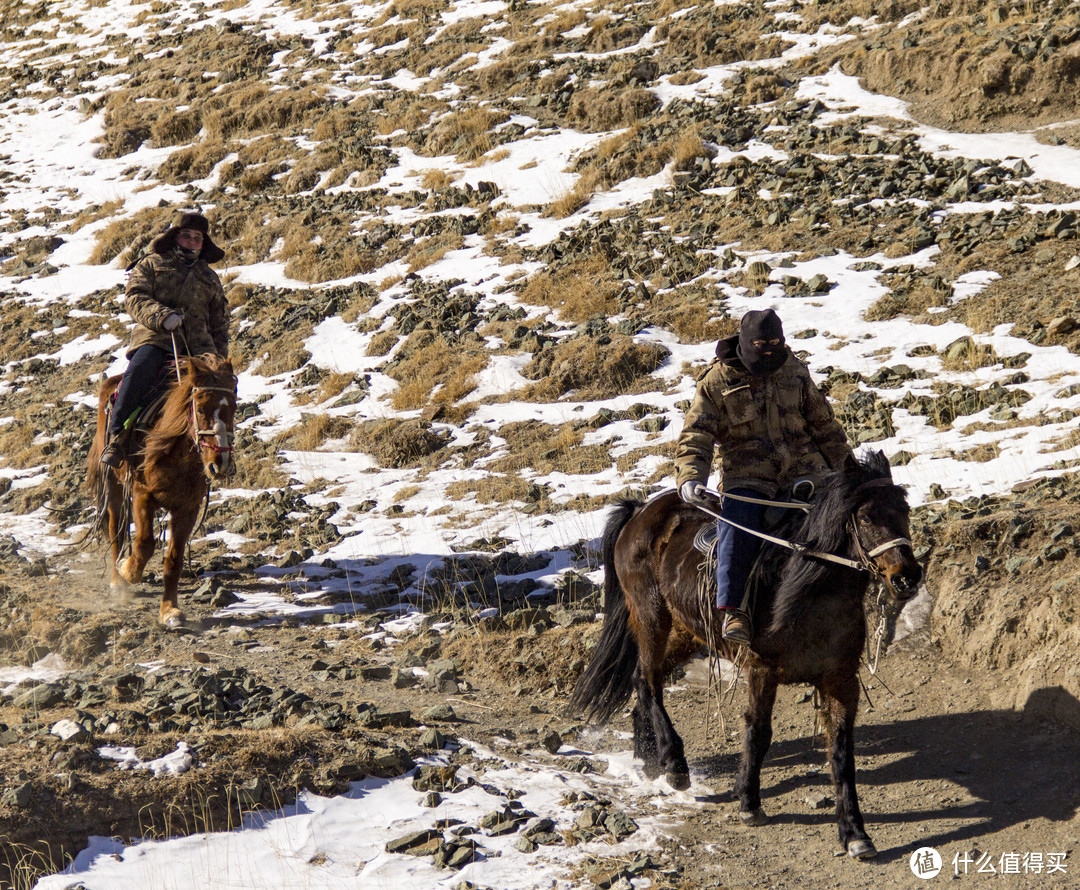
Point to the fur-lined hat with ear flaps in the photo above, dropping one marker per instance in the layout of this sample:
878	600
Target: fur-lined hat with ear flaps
211	253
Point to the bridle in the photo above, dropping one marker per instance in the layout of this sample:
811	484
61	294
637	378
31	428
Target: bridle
865	561
222	441
866	557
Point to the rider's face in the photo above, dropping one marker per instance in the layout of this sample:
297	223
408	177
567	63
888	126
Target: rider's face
189	238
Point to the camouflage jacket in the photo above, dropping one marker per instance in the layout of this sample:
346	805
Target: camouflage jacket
159	284
769	431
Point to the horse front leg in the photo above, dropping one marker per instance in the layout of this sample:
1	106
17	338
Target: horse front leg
756	741
180	528
143	508
841	698
670	755
114	509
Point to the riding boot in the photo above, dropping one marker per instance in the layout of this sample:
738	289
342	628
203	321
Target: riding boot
113	454
737	627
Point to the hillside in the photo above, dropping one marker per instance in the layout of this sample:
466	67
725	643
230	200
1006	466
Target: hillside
476	255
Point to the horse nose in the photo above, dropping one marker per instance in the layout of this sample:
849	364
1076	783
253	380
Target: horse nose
905	583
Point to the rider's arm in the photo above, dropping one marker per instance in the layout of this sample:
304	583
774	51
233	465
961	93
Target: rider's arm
140	301
701	429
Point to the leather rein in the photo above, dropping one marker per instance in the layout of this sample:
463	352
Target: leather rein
865	562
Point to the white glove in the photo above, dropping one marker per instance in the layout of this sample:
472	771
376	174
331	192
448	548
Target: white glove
692	492
172	321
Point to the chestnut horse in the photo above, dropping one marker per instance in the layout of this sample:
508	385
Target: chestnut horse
808	620
189	445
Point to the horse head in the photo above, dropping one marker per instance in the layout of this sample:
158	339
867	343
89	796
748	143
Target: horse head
213	411
881	529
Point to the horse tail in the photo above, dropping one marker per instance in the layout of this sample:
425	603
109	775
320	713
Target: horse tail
97	476
608	681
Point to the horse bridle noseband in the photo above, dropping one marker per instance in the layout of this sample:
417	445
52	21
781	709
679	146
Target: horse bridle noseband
199	435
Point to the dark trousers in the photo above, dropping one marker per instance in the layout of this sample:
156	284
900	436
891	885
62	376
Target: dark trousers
736	550
142	371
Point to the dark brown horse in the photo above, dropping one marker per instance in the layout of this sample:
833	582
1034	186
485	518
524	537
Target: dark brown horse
170	468
809	624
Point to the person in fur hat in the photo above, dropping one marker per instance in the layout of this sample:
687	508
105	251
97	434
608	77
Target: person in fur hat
758	406
174	296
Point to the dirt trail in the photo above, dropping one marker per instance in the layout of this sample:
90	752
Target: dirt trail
943	759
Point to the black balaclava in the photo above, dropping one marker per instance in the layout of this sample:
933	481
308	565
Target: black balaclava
761	324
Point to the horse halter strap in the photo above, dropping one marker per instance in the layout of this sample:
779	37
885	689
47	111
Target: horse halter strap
866	557
198	434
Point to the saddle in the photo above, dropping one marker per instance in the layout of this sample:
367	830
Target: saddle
145	415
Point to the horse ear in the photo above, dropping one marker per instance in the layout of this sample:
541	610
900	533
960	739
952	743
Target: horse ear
851	463
880	463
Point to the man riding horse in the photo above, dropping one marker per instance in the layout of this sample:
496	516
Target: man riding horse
757	403
177	301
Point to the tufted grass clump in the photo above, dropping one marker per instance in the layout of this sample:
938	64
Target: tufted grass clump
399	444
429	367
593	370
579	290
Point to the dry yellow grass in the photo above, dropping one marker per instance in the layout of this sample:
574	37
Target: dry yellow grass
578	290
968	356
592	370
430	250
16	444
465	133
126	237
435	180
398	443
313	431
542	448
99	211
332	385
434	369
383	342
325	255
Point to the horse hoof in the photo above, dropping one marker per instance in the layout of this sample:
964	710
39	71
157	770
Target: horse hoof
173	621
753	818
679	781
861	850
128	573
652	769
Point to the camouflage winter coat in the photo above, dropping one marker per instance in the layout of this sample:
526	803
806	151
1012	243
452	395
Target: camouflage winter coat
769	430
161	283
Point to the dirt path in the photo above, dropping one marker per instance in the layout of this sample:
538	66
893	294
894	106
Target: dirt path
939	765
941	761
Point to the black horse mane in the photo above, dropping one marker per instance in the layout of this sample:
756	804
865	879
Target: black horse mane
826	529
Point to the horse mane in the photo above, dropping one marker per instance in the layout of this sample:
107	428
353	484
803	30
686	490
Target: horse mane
175	419
826	530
